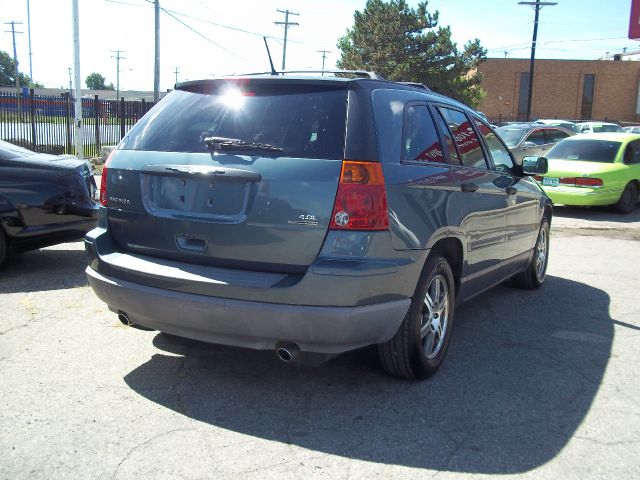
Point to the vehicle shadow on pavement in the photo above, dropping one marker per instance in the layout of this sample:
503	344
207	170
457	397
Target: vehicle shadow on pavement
522	372
596	214
42	270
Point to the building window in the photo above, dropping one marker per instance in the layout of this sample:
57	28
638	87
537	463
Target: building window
523	98
587	95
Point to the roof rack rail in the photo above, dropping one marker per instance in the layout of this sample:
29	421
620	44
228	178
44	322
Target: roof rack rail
417	85
356	73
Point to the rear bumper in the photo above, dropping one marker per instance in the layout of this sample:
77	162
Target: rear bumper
580	196
251	324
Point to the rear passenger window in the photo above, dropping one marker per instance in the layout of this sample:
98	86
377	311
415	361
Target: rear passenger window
632	155
499	153
536	137
554	136
454	158
419	138
466	139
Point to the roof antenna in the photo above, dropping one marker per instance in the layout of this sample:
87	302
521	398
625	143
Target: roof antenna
273	70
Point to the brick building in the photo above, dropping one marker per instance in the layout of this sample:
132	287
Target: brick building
568	89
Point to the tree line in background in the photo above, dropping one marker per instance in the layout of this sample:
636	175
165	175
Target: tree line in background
406	44
94	81
8	75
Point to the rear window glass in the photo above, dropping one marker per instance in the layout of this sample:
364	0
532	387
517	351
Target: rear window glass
511	136
603	151
304	123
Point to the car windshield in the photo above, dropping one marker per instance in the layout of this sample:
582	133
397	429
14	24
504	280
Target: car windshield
9	151
304	123
511	136
603	151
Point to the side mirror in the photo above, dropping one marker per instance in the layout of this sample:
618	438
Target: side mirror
535	165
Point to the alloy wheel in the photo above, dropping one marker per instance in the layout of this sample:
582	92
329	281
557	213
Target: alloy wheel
435	316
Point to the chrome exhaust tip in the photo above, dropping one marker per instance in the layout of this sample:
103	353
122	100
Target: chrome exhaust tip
124	319
287	352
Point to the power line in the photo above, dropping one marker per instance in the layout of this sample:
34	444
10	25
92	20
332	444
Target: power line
324	56
204	36
286	24
118	57
537	6
15	53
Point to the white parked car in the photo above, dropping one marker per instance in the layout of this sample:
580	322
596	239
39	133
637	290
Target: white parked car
598	127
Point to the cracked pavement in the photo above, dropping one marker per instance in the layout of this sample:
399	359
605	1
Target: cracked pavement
536	385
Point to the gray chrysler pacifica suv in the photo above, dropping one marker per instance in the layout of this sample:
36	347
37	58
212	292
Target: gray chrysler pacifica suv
313	216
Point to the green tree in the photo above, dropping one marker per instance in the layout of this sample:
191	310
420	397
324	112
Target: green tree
406	44
95	81
8	76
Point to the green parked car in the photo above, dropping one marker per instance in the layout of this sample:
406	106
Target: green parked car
595	169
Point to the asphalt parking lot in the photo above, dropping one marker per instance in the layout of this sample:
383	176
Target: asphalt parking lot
539	384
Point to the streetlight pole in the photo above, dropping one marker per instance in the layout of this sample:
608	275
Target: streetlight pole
537	6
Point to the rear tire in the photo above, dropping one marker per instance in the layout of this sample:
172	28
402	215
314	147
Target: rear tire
533	277
419	346
628	199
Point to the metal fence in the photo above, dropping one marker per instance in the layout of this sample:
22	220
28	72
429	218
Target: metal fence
46	123
500	120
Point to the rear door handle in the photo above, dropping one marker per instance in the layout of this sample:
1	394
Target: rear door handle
511	190
469	187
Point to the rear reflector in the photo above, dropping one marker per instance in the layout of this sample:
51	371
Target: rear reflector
361	201
103	181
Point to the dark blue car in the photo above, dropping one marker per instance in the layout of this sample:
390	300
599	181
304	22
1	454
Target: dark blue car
313	216
44	199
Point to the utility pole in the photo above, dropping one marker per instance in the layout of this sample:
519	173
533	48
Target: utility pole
15	55
76	68
286	24
505	54
118	57
156	67
29	35
176	71
324	56
537	6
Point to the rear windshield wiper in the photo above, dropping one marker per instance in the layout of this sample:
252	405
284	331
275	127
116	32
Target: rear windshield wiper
224	143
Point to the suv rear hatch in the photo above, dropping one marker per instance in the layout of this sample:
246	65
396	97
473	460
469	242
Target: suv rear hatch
240	173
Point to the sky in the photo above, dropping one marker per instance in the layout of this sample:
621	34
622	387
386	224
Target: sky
205	38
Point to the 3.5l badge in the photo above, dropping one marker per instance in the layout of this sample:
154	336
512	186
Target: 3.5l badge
304	220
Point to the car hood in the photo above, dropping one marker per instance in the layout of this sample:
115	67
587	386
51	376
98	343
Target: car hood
573	168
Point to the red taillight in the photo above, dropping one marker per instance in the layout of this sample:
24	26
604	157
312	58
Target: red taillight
361	201
588	182
582	182
103	181
538	178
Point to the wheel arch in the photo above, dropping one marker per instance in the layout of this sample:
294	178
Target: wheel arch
451	249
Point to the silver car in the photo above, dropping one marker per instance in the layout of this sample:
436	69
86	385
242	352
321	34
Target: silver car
531	139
